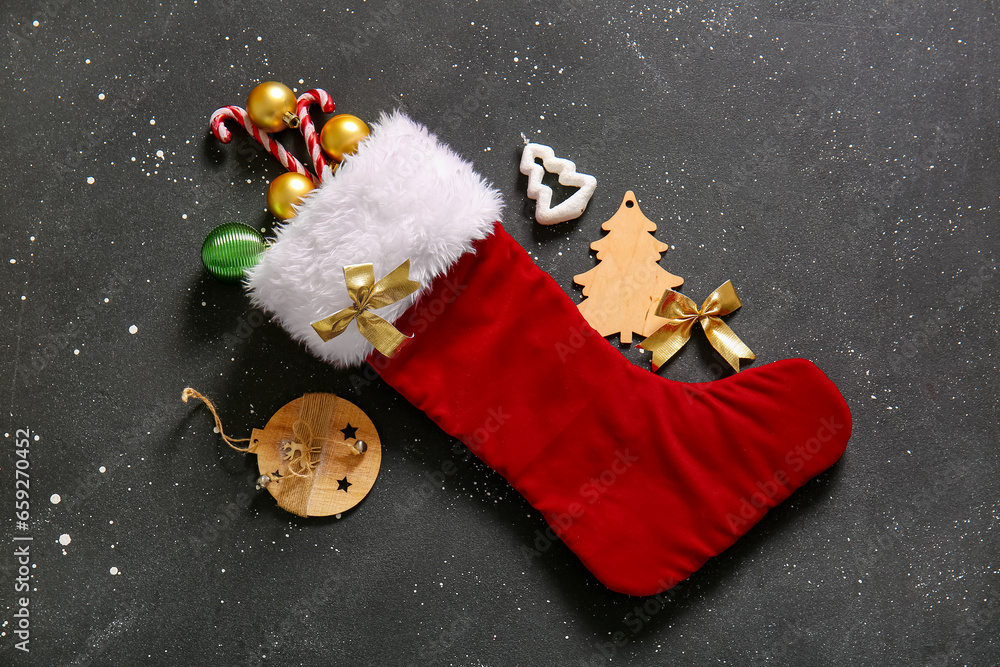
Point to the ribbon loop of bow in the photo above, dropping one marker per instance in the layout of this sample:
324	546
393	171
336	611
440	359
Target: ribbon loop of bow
681	314
367	296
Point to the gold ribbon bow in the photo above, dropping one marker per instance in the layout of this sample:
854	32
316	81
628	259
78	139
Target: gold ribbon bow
681	313
368	295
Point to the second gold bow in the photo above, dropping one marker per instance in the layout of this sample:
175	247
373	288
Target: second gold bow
681	313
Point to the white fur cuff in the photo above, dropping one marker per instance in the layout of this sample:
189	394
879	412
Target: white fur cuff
403	195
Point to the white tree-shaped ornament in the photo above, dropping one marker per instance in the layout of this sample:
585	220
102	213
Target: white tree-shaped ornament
571	208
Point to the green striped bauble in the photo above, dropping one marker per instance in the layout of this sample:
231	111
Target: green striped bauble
230	249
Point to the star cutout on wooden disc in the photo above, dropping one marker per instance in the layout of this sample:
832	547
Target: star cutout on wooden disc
342	484
350	432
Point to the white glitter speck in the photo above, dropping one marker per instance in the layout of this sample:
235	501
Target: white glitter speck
133	330
65	539
103	469
152	121
90	180
101	96
159	154
55	499
114	570
35	23
76	352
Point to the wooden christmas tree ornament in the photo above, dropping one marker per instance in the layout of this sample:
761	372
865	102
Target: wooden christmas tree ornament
624	289
318	455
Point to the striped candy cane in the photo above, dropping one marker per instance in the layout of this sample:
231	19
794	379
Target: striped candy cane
308	129
239	114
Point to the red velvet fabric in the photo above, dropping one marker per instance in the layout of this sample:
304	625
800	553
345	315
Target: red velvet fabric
642	477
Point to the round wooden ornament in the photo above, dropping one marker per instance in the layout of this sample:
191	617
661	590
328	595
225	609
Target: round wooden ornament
318	455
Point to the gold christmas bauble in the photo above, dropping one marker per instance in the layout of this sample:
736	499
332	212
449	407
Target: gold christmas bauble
271	107
341	135
285	191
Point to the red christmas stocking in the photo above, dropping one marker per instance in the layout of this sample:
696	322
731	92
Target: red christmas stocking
643	478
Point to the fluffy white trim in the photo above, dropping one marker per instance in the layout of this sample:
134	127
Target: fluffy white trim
403	195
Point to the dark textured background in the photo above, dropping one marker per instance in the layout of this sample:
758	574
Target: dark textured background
837	160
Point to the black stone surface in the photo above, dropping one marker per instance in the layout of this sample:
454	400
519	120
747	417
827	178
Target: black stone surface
838	161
